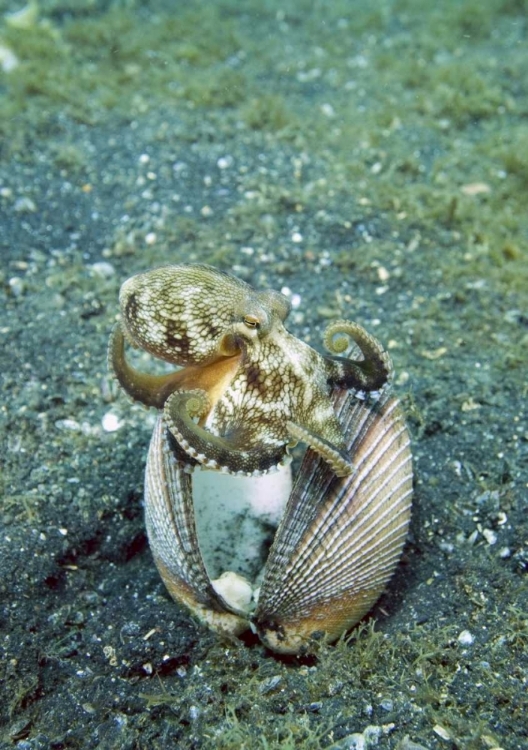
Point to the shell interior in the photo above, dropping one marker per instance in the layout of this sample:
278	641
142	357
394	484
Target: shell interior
236	520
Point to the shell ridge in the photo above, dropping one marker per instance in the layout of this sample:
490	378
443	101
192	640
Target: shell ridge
357	559
328	524
355	580
373	526
301	517
348	566
346	562
166	518
364	527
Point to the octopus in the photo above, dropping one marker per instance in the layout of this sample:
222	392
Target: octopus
246	390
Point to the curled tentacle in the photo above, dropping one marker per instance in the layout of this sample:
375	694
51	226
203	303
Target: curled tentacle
368	374
154	390
213	451
151	390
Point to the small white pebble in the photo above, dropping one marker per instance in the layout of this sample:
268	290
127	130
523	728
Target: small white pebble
297	237
441	732
505	553
25	205
224	162
8	59
111	422
17	286
472	538
206	211
144	159
295	299
490	536
103	269
328	110
150	238
68	424
466	638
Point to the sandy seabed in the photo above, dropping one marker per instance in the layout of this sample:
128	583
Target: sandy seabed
372	161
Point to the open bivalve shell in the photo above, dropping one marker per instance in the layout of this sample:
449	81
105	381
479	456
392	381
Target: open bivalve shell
336	547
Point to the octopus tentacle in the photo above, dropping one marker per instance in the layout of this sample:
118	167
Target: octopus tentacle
337	459
368	374
151	390
213	451
154	390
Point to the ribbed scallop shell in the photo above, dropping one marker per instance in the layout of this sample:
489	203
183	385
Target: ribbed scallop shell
336	547
340	539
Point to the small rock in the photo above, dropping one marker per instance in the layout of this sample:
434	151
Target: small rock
25	205
103	269
111	422
407	744
17	286
8	59
490	536
466	638
268	685
441	732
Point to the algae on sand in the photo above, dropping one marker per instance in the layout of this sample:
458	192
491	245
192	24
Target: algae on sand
371	160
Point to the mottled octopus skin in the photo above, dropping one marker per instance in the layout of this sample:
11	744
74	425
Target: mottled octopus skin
248	389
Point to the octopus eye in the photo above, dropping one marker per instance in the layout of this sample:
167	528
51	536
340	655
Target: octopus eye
251	321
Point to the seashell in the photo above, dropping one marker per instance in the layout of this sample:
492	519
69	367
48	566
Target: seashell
335	549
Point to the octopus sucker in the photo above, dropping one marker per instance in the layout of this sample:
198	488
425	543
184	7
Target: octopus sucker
243	393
